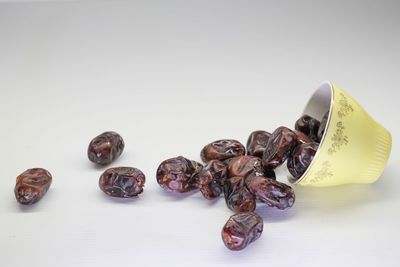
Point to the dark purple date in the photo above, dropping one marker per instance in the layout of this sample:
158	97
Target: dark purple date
273	193
301	158
279	146
309	126
222	150
178	174
237	196
241	229
257	142
123	182
105	148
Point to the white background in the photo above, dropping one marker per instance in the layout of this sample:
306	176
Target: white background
170	77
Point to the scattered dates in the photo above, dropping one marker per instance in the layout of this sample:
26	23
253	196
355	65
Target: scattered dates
242	229
222	150
105	148
32	185
122	182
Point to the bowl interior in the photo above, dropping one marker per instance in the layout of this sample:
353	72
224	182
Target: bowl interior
320	103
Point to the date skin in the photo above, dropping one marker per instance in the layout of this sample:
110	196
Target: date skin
279	146
301	158
32	185
105	148
122	182
309	126
222	150
244	165
257	142
237	196
302	138
242	229
178	174
273	193
212	178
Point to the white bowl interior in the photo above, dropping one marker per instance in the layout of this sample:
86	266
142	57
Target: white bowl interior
320	102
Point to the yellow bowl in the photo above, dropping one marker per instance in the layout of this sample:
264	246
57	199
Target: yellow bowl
354	149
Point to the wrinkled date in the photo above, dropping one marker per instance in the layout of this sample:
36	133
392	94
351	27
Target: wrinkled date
211	190
322	126
211	179
257	142
279	146
244	165
178	174
222	150
301	158
302	138
213	170
123	182
105	148
237	196
273	193
32	185
309	126
241	229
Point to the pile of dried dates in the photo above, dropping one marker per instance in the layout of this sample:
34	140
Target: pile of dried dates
245	175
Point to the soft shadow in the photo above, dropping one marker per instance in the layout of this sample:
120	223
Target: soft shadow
177	196
38	206
273	215
120	200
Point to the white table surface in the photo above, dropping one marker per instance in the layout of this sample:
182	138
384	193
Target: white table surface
171	76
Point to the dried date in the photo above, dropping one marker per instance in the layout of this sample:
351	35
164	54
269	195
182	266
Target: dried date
32	185
279	146
273	193
222	150
178	174
122	182
301	158
242	229
105	148
257	142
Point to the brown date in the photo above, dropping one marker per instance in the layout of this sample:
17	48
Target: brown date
244	165
241	229
32	185
322	126
279	146
257	142
178	174
123	182
237	196
302	138
213	170
273	193
301	158
222	150
211	179
309	126
211	190
105	148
